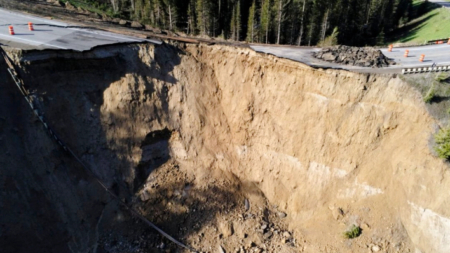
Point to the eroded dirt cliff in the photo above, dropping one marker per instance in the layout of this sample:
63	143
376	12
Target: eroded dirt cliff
220	146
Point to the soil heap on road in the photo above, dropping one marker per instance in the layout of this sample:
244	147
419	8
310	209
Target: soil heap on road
355	56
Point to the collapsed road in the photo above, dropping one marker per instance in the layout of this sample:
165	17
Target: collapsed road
50	34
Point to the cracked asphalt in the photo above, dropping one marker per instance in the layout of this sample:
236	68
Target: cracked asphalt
50	34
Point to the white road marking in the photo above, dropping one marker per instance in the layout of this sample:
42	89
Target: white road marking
12	38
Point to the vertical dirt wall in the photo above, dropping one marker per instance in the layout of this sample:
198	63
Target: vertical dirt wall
330	148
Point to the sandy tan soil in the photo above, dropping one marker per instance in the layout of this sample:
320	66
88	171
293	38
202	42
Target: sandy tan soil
224	148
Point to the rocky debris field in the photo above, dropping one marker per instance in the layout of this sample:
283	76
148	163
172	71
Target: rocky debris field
355	56
212	217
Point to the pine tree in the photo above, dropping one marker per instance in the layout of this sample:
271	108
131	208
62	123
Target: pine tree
251	23
281	6
191	21
302	23
360	22
233	24
238	21
201	16
265	20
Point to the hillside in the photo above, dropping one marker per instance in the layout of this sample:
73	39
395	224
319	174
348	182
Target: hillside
431	22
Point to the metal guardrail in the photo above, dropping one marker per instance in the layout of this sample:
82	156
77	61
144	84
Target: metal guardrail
438	41
425	70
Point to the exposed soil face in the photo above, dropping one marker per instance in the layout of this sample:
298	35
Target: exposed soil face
221	147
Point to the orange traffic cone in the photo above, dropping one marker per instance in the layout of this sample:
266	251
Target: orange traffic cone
406	53
390	48
11	30
422	57
30	26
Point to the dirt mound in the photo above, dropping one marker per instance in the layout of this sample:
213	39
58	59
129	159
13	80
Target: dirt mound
356	56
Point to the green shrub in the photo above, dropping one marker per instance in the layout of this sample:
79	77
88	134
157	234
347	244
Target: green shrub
430	94
331	40
353	232
441	77
442	139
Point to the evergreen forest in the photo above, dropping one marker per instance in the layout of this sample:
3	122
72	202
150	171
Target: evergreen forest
295	22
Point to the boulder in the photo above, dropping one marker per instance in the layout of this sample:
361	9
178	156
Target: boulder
136	24
70	7
328	57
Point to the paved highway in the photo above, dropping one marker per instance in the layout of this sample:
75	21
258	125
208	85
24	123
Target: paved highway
441	2
439	54
49	34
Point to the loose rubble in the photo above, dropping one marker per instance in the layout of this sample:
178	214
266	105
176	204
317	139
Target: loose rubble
355	56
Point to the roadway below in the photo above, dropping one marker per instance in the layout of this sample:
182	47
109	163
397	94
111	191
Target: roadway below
441	2
439	54
50	34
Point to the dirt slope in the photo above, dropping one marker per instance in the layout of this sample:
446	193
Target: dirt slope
187	133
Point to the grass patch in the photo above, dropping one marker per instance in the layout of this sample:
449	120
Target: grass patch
431	22
430	94
435	91
353	232
442	139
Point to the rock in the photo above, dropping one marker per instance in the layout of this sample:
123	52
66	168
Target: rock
106	18
70	7
226	228
221	249
286	234
329	57
376	248
144	196
263	226
268	235
281	214
136	24
338	213
157	31
56	2
247	205
123	22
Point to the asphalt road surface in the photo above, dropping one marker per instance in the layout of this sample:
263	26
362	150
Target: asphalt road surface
49	34
440	2
439	54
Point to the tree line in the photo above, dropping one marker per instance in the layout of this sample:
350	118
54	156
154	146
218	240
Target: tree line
296	22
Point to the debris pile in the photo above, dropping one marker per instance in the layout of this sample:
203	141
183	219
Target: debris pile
356	56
